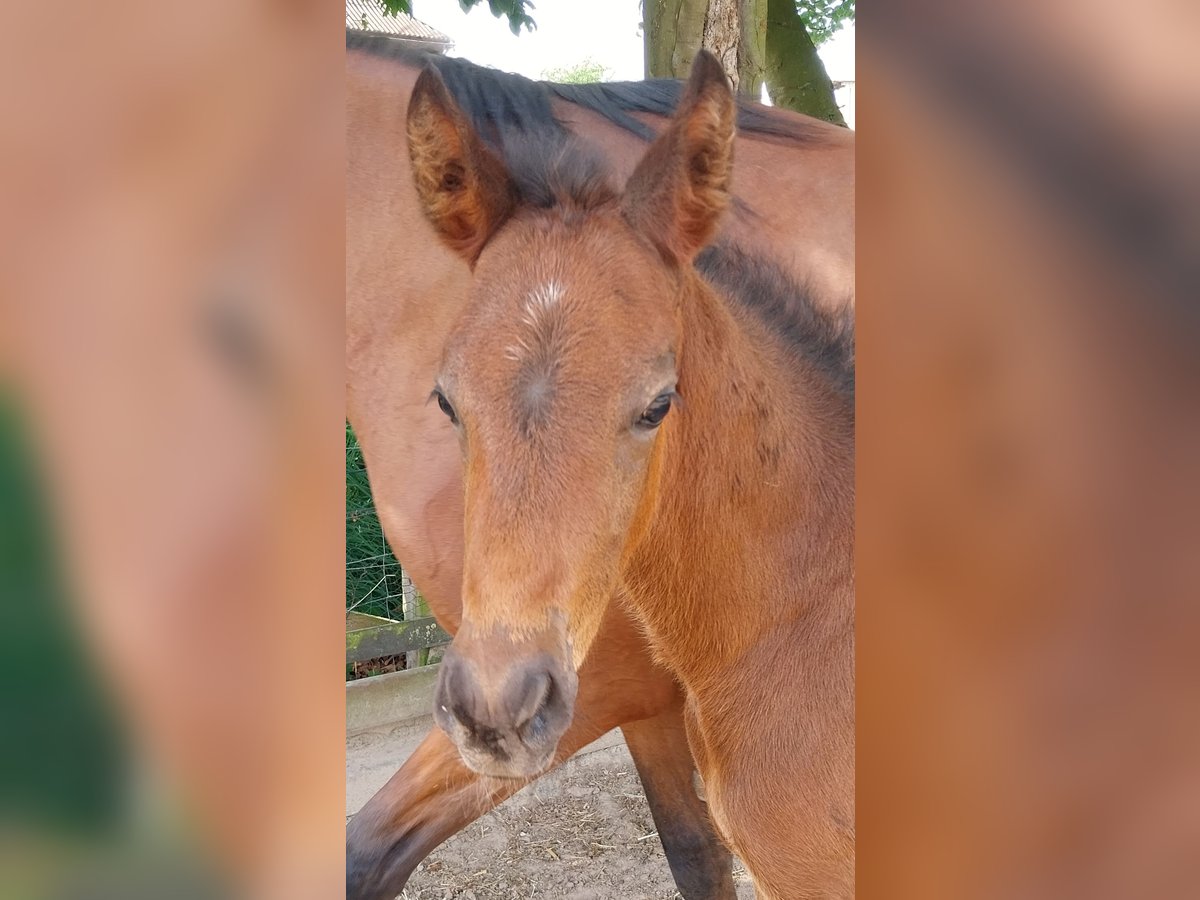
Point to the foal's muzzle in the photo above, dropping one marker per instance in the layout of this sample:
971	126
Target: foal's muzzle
504	707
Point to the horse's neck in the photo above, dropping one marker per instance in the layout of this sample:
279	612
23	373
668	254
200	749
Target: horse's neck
752	528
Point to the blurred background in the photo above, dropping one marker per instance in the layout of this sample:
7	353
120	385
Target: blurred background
171	272
1028	449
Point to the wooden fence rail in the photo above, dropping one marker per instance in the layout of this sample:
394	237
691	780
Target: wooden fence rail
368	637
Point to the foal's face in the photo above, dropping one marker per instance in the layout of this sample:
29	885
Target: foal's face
559	382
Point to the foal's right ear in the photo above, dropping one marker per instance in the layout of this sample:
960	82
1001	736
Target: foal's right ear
464	190
678	192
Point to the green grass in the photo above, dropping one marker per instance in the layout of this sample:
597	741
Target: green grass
374	579
373	576
63	759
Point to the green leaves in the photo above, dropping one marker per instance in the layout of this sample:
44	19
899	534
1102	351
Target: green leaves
823	17
585	72
513	9
516	11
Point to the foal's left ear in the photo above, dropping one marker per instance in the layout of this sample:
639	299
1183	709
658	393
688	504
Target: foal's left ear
679	190
464	190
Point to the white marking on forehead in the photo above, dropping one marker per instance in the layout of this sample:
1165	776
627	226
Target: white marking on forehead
542	298
539	301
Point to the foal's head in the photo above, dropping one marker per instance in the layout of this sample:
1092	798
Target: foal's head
560	380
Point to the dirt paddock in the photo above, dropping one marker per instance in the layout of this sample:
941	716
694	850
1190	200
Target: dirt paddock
581	833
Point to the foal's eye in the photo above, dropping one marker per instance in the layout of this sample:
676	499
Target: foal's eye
445	406
655	412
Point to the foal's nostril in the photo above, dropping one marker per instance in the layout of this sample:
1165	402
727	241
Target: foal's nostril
532	700
462	716
455	693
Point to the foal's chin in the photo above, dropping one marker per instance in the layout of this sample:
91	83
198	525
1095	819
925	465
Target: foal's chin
520	766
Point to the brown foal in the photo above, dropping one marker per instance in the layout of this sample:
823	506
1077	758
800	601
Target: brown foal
404	293
630	428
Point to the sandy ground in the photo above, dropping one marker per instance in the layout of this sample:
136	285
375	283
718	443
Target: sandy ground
583	832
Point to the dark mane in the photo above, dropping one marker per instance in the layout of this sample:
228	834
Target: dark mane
615	100
500	102
552	170
549	164
823	338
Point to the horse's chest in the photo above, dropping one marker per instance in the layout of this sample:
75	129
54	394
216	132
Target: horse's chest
707	757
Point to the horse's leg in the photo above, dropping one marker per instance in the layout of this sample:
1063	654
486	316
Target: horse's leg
701	863
434	795
431	797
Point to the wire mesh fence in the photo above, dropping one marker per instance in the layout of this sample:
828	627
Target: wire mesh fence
375	582
378	592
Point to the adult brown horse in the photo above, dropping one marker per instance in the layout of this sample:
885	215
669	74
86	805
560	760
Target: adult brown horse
587	322
404	293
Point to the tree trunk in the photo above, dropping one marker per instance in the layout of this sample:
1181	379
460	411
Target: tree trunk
796	77
735	31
